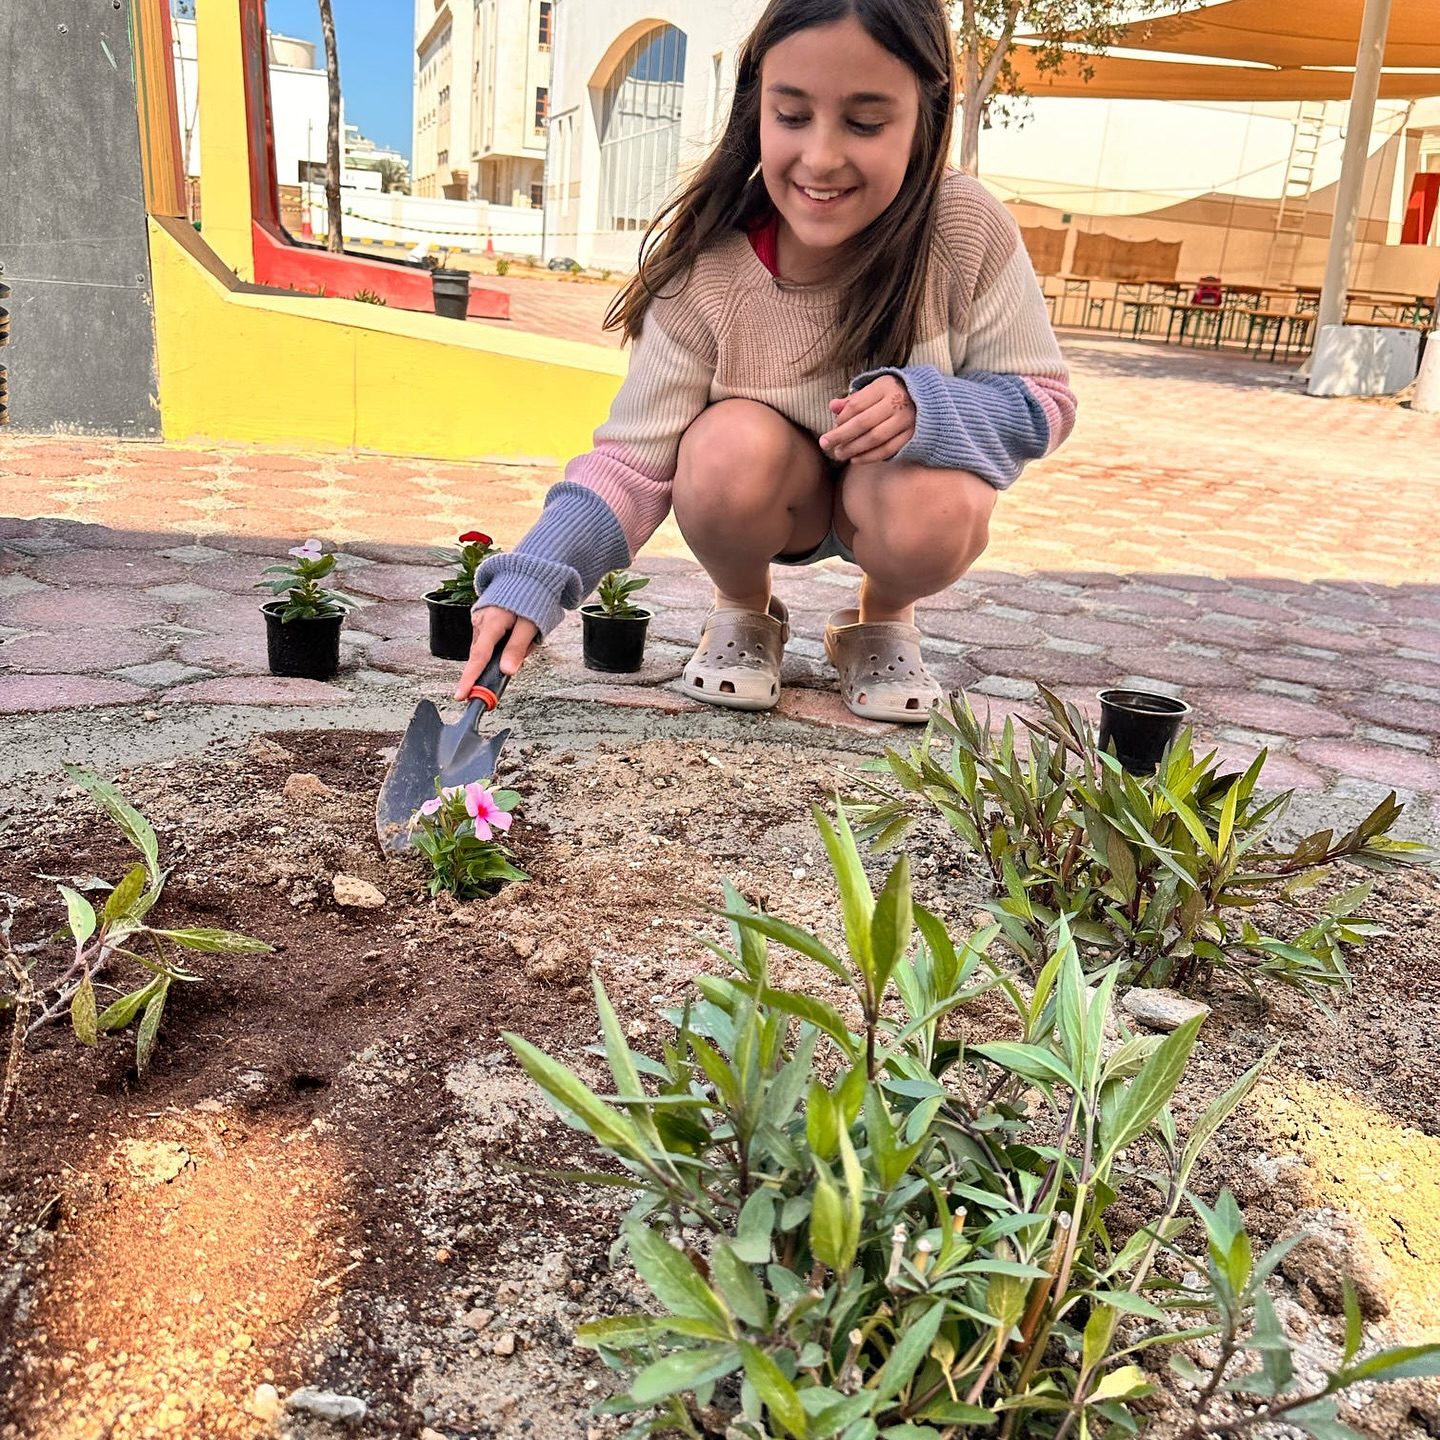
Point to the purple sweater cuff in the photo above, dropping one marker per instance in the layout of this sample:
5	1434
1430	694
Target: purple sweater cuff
986	423
576	540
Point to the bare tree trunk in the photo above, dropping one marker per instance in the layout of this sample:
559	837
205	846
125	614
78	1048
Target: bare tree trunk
977	84
335	241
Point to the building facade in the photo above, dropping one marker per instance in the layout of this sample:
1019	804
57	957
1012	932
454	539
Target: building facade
299	104
482	99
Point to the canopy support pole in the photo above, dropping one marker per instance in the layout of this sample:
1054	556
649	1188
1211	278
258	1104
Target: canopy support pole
1346	220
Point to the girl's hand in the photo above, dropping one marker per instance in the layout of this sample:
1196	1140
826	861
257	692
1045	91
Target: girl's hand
487	626
875	423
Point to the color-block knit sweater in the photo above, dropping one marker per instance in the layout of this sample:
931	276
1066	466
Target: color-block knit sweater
989	386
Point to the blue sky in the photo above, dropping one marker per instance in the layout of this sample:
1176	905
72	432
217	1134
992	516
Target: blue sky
376	43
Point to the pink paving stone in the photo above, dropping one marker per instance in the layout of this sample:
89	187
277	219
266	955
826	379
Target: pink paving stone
136	568
1148	605
25	694
982	629
820	707
1042	602
1177	668
1318	638
1386	765
1048	666
87	535
257	690
229	615
1303	670
393	621
1192	583
1396	712
1094	632
392	554
15	529
79	651
238	652
1399	667
1272	714
1245	606
1424	605
92	609
1415	637
408	657
394	582
627	697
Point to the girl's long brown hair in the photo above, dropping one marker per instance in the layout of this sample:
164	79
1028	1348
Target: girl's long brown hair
883	270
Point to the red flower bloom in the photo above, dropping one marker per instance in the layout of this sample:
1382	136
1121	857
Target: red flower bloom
476	536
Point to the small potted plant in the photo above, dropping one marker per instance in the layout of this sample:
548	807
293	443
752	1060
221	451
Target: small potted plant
302	630
613	631
450	603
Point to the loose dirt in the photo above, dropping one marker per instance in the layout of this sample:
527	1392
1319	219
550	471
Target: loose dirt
333	1173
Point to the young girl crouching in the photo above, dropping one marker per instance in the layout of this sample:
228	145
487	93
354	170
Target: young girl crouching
839	349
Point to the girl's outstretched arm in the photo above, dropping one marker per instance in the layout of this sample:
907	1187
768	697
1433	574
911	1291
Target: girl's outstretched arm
614	497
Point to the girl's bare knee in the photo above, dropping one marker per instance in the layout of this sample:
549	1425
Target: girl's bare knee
740	455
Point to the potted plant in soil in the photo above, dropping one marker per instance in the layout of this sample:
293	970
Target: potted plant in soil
613	631
302	630
450	603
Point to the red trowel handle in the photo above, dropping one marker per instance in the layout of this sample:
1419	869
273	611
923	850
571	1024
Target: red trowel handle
492	682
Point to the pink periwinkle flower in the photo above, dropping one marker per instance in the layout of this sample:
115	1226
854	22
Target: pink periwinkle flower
432	805
310	550
488	816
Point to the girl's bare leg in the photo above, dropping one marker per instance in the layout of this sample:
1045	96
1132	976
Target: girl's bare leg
749	486
912	530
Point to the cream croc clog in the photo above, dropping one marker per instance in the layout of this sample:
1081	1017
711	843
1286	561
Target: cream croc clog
882	675
737	663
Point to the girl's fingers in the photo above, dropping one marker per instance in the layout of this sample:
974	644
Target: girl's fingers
522	641
891	430
857	423
487	626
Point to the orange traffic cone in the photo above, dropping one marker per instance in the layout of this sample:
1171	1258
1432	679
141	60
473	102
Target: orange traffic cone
489	246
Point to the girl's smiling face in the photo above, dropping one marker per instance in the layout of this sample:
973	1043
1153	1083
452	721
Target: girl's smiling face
837	131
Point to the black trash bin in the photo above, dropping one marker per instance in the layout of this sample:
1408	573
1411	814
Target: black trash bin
451	289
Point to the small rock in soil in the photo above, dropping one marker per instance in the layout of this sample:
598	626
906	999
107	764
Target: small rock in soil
1319	1263
1161	1009
304	786
266	1403
326	1404
155	1162
505	1345
477	1319
361	894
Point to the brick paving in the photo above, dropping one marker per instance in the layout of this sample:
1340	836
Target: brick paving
1208	529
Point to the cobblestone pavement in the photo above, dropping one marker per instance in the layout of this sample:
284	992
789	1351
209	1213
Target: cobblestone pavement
1208	528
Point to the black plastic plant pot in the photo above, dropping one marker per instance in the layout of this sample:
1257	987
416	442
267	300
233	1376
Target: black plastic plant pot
1138	725
451	289
613	645
450	631
305	649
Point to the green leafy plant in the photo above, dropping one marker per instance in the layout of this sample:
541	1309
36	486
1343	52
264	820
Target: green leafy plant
307	599
473	549
120	929
369	297
1250	1331
502	267
1156	874
575	268
614	594
455	831
881	1230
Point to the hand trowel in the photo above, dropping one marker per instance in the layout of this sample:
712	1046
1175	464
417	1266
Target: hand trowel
456	754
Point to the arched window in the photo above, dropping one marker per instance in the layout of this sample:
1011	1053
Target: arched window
640	129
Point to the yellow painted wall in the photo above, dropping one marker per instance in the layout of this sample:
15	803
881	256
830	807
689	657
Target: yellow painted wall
224	137
302	372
